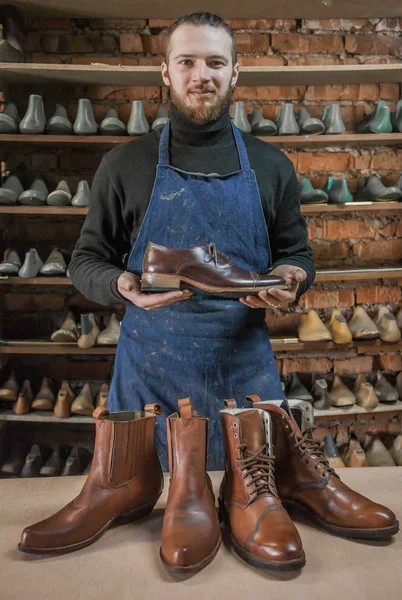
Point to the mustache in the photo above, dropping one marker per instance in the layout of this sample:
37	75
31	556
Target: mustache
201	88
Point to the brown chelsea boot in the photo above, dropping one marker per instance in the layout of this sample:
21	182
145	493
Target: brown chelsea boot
124	484
262	532
305	479
191	534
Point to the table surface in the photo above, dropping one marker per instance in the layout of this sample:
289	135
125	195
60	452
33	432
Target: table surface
124	563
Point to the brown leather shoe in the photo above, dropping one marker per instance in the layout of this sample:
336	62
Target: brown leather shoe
262	532
305	479
24	400
203	268
83	403
44	399
64	401
191	533
124	484
9	389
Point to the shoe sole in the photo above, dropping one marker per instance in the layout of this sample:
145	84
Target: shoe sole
138	513
191	569
151	282
256	561
348	532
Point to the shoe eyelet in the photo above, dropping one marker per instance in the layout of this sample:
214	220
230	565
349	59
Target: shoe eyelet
306	461
235	436
322	474
234	425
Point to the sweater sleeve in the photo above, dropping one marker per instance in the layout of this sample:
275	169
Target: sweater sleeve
97	260
289	236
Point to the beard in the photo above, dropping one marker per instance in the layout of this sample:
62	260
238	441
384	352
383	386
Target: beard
203	113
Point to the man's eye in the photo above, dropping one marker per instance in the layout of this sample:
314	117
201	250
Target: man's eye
186	62
217	63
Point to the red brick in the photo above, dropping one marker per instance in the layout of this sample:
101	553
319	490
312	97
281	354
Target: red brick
261	61
374	44
381	250
154	44
81	43
243	42
130	42
150	61
388	230
252	23
47	23
303	60
324	161
294	157
388	25
332	92
284	324
390	159
33	302
259	42
307	44
389	91
109	92
330	252
112	24
338	24
390	362
339	229
160	23
33	42
378	294
80	161
45	161
279	366
306	365
274	92
358	364
327	298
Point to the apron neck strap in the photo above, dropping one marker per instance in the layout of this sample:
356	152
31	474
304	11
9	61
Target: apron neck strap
240	145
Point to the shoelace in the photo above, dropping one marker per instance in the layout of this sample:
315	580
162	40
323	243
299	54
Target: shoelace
261	468
214	255
308	446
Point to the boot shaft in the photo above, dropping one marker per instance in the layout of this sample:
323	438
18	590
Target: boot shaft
187	437
124	446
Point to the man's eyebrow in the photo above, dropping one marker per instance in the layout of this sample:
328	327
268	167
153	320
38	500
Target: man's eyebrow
193	56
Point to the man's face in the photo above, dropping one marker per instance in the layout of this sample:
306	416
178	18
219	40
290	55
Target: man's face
200	71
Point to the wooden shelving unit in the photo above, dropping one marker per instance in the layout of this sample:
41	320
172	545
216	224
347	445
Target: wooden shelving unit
290	344
281	141
99	74
357	411
44	417
43	210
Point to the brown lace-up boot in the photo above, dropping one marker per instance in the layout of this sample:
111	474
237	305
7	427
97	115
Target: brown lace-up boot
191	534
262	532
124	484
305	479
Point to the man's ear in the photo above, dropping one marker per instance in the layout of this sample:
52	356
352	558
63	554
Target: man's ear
235	74
165	74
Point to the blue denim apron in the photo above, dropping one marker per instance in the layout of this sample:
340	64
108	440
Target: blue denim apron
206	347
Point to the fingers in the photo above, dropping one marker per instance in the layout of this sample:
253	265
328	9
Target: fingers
151	301
275	295
254	302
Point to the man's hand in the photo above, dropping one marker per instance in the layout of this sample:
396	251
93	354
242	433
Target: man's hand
129	286
276	298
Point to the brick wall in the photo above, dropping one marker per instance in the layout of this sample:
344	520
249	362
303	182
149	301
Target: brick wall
336	240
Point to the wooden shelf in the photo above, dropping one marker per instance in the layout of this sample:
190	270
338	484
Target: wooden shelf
355	410
290	344
154	9
350	207
322	276
281	141
99	74
29	347
357	275
43	210
44	417
45	281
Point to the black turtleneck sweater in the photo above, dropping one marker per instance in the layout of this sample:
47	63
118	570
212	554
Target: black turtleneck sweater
123	184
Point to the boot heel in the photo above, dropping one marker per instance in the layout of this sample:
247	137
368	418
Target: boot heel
152	282
222	513
137	513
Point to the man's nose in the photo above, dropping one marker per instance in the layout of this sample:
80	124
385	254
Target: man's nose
201	73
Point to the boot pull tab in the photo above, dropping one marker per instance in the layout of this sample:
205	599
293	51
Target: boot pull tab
185	408
253	398
100	413
230	403
155	409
